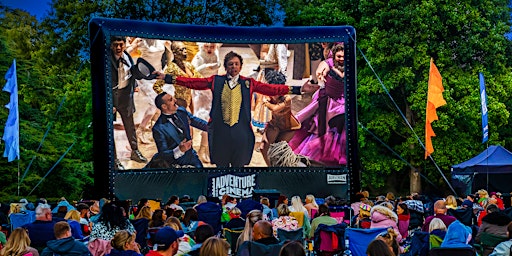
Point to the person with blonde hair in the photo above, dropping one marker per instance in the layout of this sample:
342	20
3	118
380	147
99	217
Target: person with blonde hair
483	195
251	218
124	244
214	246
390	196
437	230
390	238
310	204
236	221
267	212
18	244
144	213
451	202
185	242
284	221
297	206
73	219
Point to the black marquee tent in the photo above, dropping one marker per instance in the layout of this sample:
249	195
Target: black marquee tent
490	170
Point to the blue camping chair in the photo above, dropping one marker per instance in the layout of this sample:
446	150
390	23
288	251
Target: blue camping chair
210	213
359	239
248	205
22	218
141	226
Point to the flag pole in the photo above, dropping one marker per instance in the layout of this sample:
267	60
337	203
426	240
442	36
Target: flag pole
18	177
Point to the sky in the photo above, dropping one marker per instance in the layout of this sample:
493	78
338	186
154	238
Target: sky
38	8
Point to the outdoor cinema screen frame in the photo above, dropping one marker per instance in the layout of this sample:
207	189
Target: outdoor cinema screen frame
108	180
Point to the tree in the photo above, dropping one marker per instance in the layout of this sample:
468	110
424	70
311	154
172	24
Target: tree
463	38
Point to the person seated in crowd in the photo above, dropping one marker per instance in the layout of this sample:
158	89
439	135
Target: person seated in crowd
439	212
166	242
382	216
267	212
390	197
251	218
214	246
297	206
190	221
390	238
495	223
359	197
110	221
185	242
83	209
403	219
236	221
451	202
123	244
499	201
437	231
144	213
262	233
324	217
457	236
284	221
157	219
363	218
142	202
202	233
18	244
41	230
378	247
65	244
503	248
380	199
230	203
416	211
200	199
311	205
468	202
483	195
73	218
173	203
292	248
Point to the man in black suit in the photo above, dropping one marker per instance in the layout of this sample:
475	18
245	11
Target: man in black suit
123	87
172	134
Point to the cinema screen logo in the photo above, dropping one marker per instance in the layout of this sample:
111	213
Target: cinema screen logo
234	185
336	179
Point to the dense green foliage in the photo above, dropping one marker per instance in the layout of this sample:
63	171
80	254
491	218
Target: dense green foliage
399	37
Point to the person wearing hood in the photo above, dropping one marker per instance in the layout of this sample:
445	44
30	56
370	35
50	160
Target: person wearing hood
503	249
383	217
457	236
495	223
65	244
123	244
63	202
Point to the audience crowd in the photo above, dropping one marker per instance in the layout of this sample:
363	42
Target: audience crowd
480	224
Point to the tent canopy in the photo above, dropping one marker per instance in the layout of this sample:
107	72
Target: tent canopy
493	160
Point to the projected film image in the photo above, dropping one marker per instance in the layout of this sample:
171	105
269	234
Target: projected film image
179	104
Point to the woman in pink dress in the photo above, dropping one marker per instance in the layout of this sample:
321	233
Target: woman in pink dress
322	136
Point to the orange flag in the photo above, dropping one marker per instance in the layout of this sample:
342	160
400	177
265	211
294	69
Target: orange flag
434	100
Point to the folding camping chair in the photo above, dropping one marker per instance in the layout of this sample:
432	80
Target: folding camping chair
231	236
290	235
359	239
